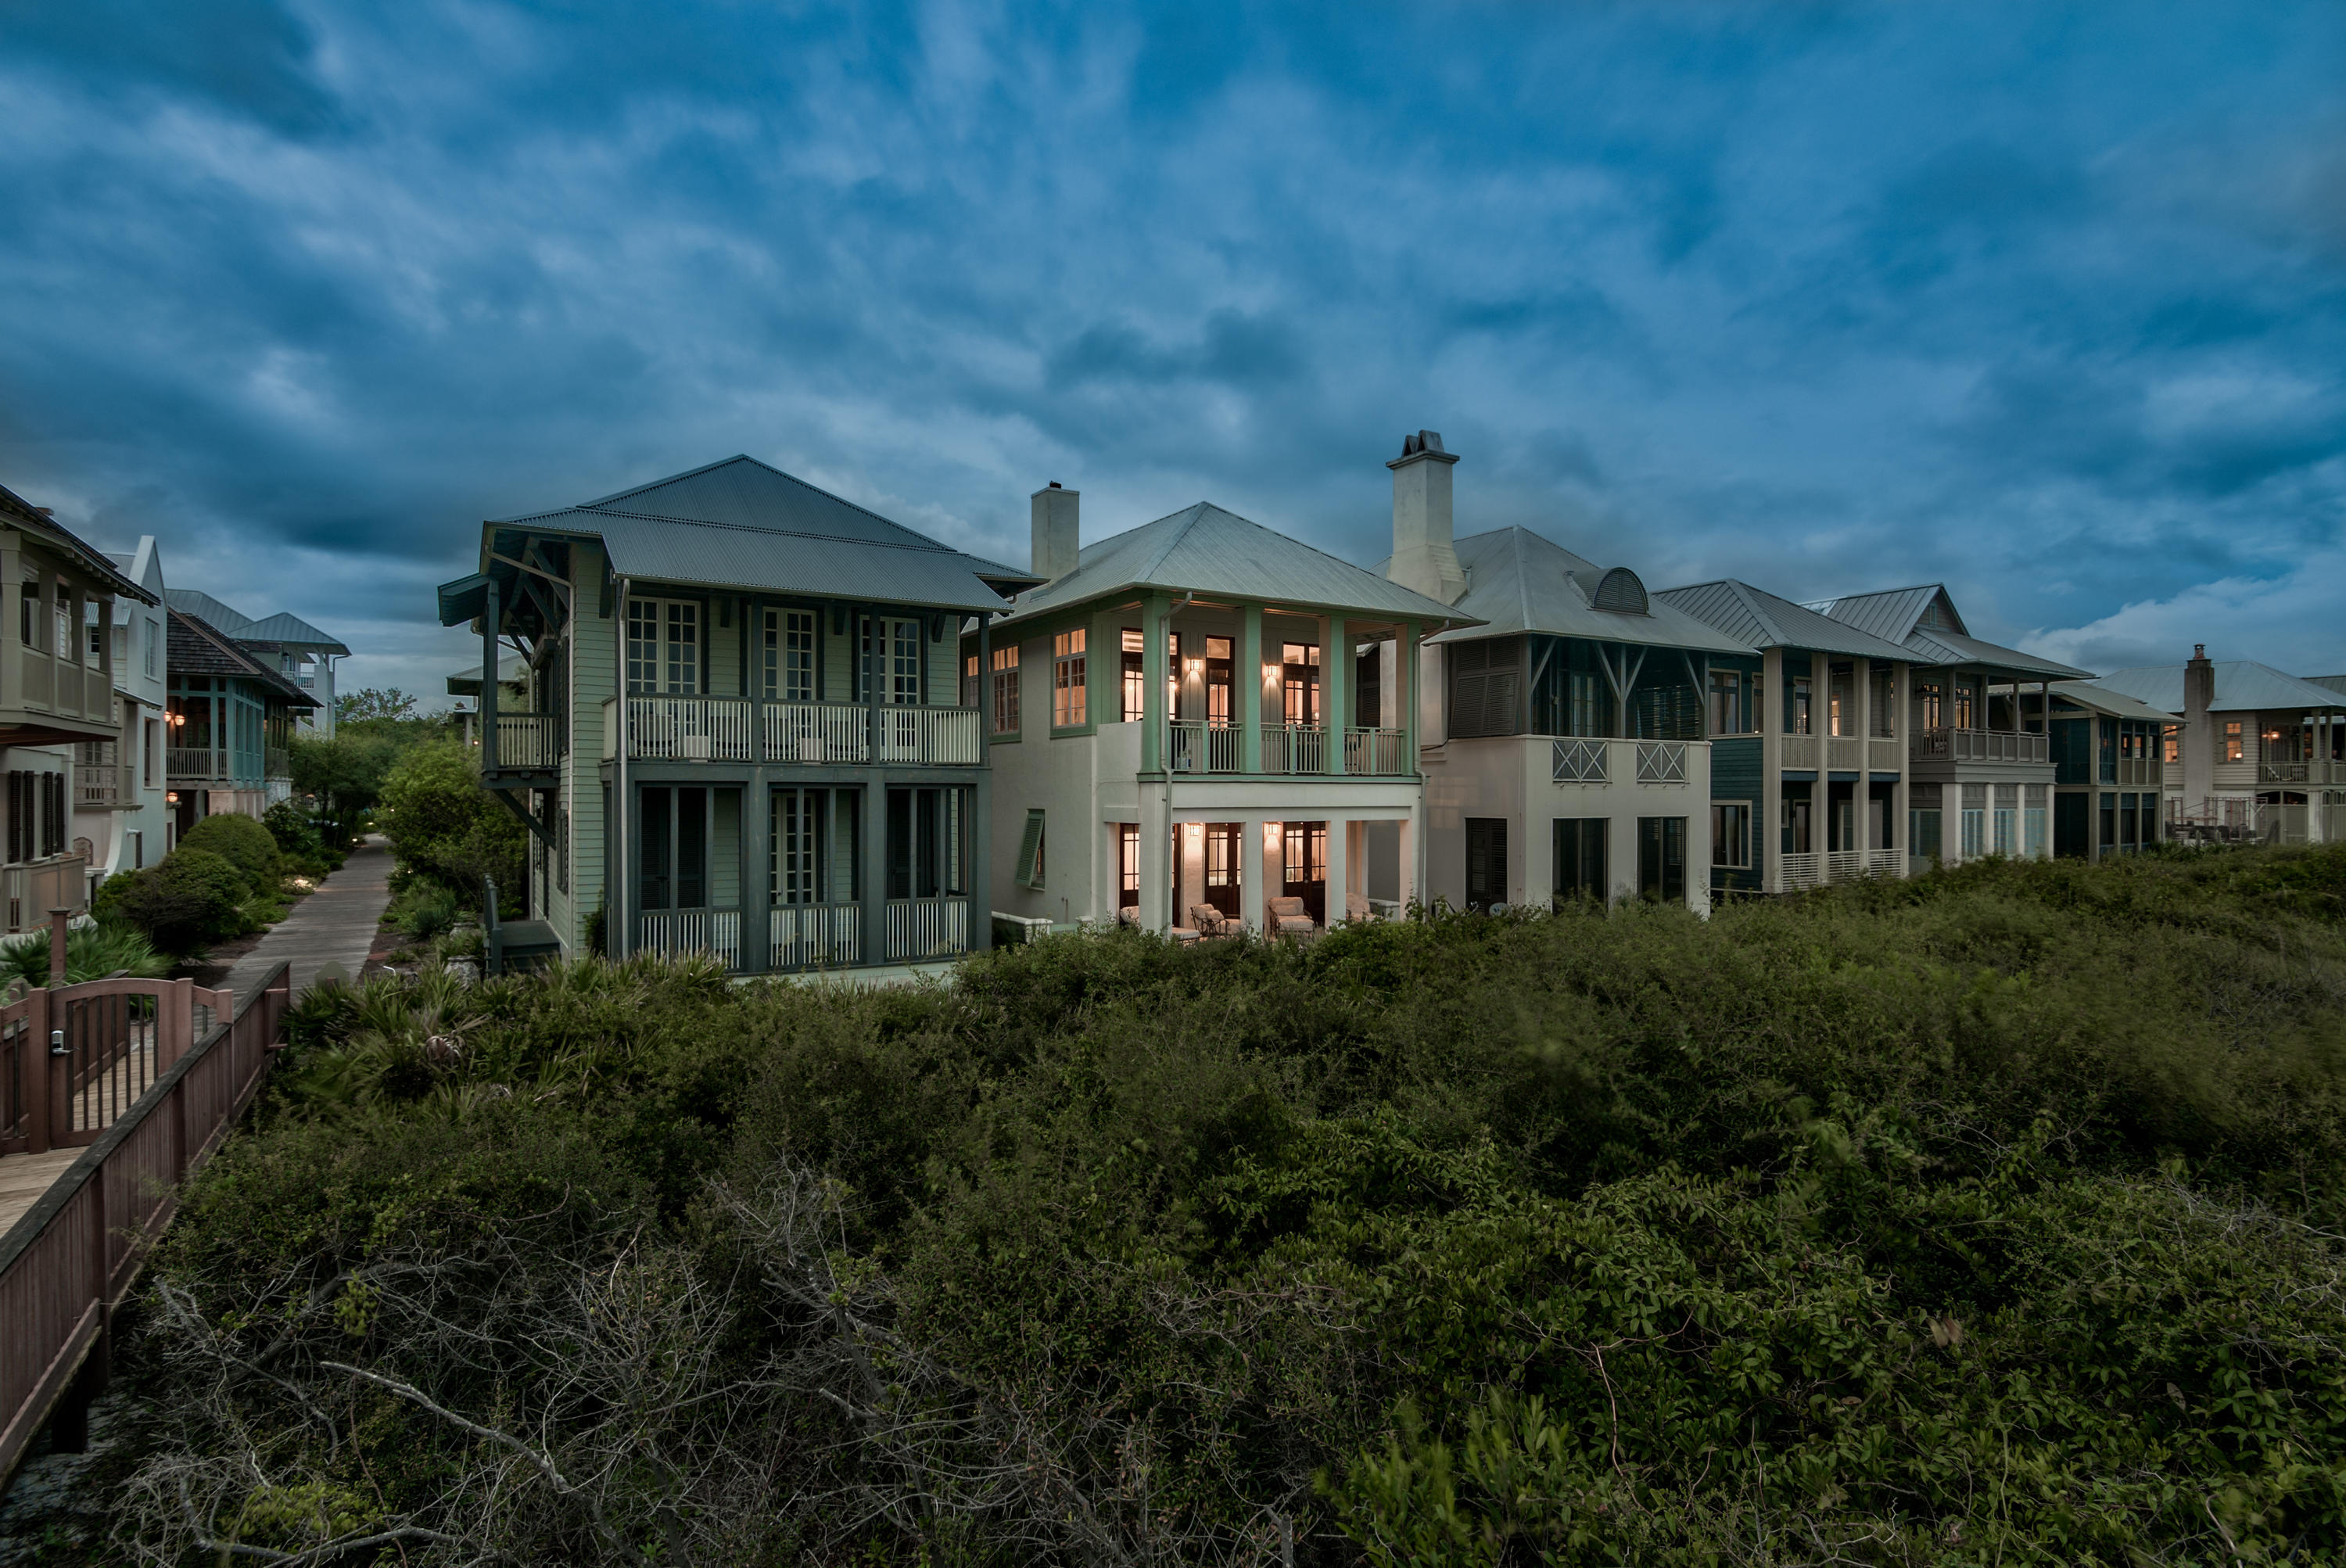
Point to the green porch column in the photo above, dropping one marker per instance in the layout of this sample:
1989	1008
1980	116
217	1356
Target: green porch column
1154	629
1407	670
1249	676
1336	692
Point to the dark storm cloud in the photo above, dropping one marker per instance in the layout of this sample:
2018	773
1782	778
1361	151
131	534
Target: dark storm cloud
2051	305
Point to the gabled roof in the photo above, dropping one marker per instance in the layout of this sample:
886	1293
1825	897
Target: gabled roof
739	524
18	512
1761	619
466	682
1925	621
2117	704
2242	685
282	629
196	649
1204	550
1519	581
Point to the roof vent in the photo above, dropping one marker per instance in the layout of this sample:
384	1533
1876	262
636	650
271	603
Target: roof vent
1622	593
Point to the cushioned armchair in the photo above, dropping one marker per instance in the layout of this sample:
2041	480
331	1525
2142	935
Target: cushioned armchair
1289	918
1208	920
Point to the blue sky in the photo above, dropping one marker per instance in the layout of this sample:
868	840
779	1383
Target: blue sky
2044	301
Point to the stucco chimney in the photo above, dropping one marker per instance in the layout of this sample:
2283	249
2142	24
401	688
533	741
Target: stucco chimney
1423	556
2199	738
1058	534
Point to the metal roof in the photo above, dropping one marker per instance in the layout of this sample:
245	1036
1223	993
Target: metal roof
196	649
289	630
220	617
1901	616
1204	550
18	512
466	682
2242	685
2117	704
1519	581
739	524
2333	682
1760	618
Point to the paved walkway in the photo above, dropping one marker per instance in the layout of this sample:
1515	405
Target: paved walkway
336	924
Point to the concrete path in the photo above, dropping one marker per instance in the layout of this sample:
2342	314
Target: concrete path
336	924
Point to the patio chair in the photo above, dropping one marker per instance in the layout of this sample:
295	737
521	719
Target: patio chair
1289	918
1356	907
1208	920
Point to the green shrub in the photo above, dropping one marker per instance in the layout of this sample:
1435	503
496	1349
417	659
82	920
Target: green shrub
423	912
93	951
193	898
106	904
445	828
298	838
242	842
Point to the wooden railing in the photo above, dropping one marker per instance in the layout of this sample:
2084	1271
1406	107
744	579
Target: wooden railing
1844	753
68	1054
1203	749
1376	752
1978	746
927	928
2279	773
815	936
1883	756
741	729
1798	872
102	787
1294	748
530	742
30	891
714	931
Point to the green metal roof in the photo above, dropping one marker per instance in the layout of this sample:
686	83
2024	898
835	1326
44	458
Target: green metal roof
1518	581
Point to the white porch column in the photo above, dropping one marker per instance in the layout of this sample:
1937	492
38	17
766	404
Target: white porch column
1155	857
1189	873
1340	866
1410	859
1252	894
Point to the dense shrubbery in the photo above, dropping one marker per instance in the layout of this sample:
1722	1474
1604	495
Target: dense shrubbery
93	951
446	831
191	899
301	845
1991	1218
242	841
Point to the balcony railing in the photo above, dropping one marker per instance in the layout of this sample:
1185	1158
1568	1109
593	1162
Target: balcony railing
530	742
1579	762
2288	773
814	936
741	729
1294	748
1661	762
1203	748
1978	746
104	787
1883	755
1813	869
224	766
927	929
714	931
1802	751
1374	751
2139	770
28	892
1844	753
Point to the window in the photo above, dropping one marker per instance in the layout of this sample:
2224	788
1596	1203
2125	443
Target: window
1132	660
1883	684
1220	683
152	760
1006	690
2109	823
29	612
1300	683
1486	862
924	843
1726	702
895	646
1580	850
53	814
2033	820
1661	860
1304	870
1486	687
153	638
2174	743
1068	705
1842	700
1965	715
1222	866
2234	749
1800	719
789	655
1730	834
93	635
1927	712
2007	819
1127	865
1029	873
663	647
1975	826
62	607
970	689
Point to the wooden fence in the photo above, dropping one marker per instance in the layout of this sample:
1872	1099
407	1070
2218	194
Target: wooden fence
146	1077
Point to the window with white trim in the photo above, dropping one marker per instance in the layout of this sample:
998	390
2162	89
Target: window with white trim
663	647
789	655
1068	676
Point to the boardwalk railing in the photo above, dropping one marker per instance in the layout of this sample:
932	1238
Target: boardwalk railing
147	1076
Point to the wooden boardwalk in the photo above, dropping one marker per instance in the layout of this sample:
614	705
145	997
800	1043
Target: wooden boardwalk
336	924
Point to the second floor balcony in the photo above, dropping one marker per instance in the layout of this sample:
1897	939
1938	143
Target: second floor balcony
1288	750
2301	773
745	731
227	768
1944	745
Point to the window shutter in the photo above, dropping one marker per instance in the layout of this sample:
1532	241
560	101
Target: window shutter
1030	852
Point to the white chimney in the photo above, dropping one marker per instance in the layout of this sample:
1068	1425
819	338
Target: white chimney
1058	535
1424	557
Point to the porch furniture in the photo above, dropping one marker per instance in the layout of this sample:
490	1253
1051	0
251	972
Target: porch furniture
1289	918
1210	922
1181	933
1356	907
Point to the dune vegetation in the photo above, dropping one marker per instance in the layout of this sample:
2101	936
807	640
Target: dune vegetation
1991	1217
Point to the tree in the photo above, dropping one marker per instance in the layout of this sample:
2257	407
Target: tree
374	702
345	773
444	827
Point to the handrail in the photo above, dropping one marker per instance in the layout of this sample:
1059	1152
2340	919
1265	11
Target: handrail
68	1262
